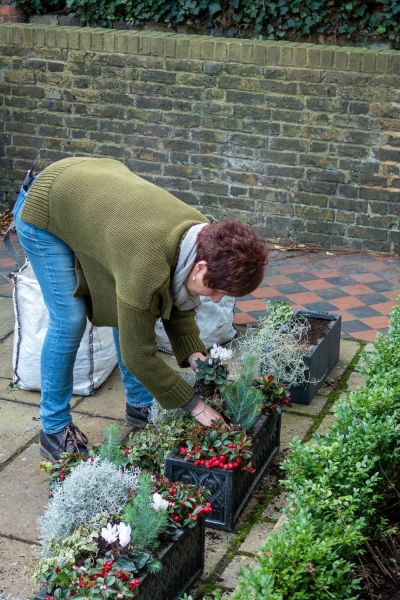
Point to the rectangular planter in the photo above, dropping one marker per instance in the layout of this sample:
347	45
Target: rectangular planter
320	360
182	564
230	489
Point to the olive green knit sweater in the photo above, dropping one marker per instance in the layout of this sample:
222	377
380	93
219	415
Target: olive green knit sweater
125	233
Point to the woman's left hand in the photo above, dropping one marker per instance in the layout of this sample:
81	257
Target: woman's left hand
193	358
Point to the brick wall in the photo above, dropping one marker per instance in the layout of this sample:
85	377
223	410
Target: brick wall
10	14
301	140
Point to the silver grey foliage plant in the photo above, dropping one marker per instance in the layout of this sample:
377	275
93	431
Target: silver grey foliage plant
93	487
279	343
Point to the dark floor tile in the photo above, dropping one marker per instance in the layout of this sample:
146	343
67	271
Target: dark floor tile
291	288
341	281
372	298
383	286
353	268
256	314
303	276
331	293
321	307
364	311
351	326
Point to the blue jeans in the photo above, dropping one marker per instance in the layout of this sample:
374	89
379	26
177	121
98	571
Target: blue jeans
54	266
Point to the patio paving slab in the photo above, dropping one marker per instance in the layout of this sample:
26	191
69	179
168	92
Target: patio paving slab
7	317
293	426
256	537
238	564
17	563
19	424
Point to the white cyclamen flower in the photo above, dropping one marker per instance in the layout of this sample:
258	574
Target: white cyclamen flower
159	503
110	533
220	352
124	533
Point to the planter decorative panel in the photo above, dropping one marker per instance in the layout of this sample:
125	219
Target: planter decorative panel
322	357
230	489
182	564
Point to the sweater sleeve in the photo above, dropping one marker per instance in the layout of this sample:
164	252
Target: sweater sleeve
140	357
183	333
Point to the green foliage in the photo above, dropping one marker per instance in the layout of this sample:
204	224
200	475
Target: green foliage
38	7
93	578
81	542
281	19
242	399
336	487
274	394
219	443
211	371
149	447
279	313
110	449
146	522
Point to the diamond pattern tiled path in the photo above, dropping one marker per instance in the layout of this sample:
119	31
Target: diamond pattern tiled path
362	288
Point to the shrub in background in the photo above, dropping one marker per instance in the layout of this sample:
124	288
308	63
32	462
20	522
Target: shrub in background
290	19
337	485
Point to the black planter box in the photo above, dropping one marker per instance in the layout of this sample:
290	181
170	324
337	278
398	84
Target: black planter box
182	564
320	360
230	489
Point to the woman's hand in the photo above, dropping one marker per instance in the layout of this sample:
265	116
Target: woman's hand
195	357
204	414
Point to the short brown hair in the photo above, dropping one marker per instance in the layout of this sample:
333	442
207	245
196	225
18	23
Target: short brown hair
235	254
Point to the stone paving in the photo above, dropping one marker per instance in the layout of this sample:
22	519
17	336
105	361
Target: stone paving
23	487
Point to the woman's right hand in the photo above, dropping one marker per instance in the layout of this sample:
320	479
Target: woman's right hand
205	414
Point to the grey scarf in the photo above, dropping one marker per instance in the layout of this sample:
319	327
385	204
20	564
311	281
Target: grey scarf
179	295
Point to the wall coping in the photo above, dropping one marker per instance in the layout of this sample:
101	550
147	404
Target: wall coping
203	47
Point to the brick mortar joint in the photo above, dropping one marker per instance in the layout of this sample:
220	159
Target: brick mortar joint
237	50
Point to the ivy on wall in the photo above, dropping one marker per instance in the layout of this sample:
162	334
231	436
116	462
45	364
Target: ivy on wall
282	19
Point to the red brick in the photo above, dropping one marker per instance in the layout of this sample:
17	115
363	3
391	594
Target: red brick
391	294
325	273
266	292
243	319
316	284
249	305
357	290
376	322
367	335
347	302
278	280
304	298
366	277
383	307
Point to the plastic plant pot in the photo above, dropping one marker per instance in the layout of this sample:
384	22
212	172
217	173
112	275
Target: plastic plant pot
320	359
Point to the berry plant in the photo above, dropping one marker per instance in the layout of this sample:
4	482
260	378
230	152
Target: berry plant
218	447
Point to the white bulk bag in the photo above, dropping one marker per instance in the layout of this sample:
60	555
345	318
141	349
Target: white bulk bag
96	356
215	322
